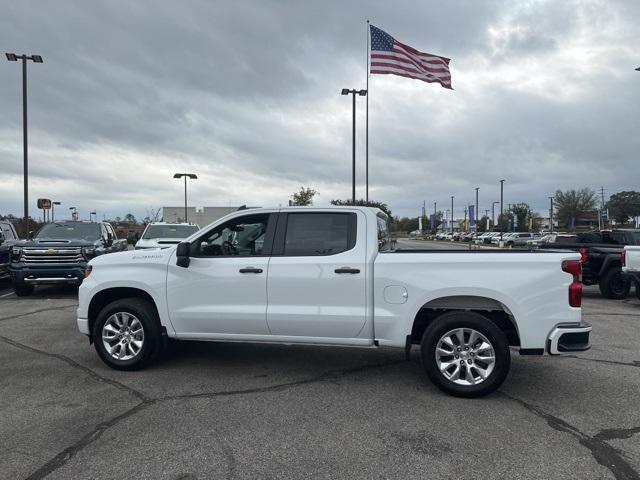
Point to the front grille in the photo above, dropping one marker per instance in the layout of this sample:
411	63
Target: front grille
51	255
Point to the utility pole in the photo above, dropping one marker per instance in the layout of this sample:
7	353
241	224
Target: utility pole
551	215
601	205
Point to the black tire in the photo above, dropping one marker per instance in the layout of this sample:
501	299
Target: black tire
152	345
23	290
613	284
469	320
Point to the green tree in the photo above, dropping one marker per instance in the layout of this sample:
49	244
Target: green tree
571	205
522	213
504	222
129	218
304	197
364	203
482	224
406	224
623	205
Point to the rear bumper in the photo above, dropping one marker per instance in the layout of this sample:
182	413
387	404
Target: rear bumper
51	274
567	338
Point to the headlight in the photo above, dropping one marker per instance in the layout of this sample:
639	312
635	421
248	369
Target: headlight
88	252
87	271
15	253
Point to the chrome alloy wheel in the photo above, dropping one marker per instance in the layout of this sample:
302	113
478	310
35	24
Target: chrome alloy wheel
123	336
465	356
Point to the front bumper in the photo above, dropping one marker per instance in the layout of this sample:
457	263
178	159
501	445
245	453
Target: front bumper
566	338
48	274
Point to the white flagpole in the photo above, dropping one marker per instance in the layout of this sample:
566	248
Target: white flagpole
367	121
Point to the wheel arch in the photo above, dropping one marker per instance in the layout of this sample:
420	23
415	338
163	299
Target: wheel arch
108	295
494	310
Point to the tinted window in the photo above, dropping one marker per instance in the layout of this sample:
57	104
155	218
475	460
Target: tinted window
242	237
613	238
310	234
384	237
69	231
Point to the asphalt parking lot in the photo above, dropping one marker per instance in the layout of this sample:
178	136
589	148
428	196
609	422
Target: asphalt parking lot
213	410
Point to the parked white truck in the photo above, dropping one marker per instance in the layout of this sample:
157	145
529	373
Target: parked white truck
328	276
630	261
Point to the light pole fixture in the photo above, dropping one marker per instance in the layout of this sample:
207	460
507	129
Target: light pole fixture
452	197
53	206
362	93
501	205
192	176
12	57
74	213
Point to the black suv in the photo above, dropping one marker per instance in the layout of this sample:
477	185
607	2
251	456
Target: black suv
59	253
8	238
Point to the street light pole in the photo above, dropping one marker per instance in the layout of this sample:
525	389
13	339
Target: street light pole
452	214
435	216
12	57
362	93
476	213
501	205
551	214
192	176
53	206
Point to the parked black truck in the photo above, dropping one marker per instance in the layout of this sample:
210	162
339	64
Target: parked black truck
59	253
600	253
8	238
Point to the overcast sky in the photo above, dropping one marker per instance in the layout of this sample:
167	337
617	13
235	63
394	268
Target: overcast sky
247	95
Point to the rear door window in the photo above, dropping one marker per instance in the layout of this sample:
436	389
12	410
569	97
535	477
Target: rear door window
316	234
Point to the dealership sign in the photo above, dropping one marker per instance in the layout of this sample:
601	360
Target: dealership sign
44	203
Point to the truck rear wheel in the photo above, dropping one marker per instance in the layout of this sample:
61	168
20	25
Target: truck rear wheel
127	335
613	284
465	354
23	290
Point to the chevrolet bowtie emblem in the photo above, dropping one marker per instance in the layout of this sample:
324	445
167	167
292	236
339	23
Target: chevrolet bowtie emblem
51	250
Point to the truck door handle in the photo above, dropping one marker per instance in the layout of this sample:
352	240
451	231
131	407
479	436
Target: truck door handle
347	270
250	270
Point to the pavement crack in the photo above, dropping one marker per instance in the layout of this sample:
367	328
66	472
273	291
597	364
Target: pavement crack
94	375
323	377
616	433
633	363
68	453
12	317
603	453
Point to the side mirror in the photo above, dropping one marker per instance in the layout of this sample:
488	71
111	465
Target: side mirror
109	241
30	235
1	238
182	254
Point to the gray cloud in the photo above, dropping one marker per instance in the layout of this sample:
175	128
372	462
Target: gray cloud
247	95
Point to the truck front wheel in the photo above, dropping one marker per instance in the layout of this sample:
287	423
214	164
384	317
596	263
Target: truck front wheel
23	290
613	284
126	334
465	354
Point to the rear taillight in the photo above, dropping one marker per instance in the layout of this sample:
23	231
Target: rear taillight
574	267
584	254
623	259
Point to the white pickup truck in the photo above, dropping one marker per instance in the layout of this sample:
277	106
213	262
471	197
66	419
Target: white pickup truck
329	276
630	261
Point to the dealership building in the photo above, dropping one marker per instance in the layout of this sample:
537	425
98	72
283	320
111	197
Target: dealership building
201	216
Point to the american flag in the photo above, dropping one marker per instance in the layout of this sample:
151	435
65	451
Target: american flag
389	56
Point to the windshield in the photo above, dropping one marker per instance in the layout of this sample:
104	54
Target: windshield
169	231
69	231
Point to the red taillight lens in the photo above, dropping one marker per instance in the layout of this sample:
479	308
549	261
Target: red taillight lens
574	267
623	258
584	254
575	294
